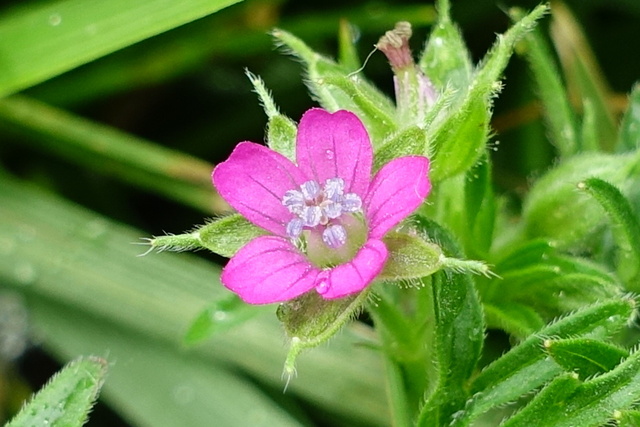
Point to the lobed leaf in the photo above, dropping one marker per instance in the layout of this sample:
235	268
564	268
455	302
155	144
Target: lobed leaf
525	367
625	223
556	211
518	320
460	139
589	404
457	337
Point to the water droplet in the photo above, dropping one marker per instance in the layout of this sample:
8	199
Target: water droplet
25	273
26	233
219	315
55	19
95	228
7	246
329	154
183	394
91	29
322	284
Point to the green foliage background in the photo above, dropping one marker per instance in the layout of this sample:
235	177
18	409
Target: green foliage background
99	149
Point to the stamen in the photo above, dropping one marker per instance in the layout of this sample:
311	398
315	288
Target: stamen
294	228
333	187
314	206
331	209
351	202
294	201
311	215
334	236
310	190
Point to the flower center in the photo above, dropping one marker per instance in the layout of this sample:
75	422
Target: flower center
321	208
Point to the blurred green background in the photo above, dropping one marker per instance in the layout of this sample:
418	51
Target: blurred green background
185	89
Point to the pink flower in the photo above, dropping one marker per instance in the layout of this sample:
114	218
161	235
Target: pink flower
326	216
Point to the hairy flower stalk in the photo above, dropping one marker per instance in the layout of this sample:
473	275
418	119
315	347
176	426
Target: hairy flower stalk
326	214
414	91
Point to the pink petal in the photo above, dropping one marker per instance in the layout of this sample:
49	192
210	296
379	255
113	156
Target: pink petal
396	191
253	181
355	275
334	145
269	269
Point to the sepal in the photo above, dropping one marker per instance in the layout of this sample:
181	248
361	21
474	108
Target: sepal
311	320
223	236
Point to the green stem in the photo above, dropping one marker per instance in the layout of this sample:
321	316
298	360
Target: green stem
405	358
100	148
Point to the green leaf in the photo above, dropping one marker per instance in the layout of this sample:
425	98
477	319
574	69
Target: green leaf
480	204
223	236
347	52
526	367
628	418
556	286
586	81
460	139
446	60
556	211
518	320
330	84
590	404
68	397
222	314
625	224
456	337
109	151
530	252
552	396
410	141
557	110
161	384
48	38
154	299
587	357
629	136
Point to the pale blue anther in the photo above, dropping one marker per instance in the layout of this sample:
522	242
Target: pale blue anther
311	216
310	190
334	236
351	202
294	228
333	188
314	206
331	209
294	201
